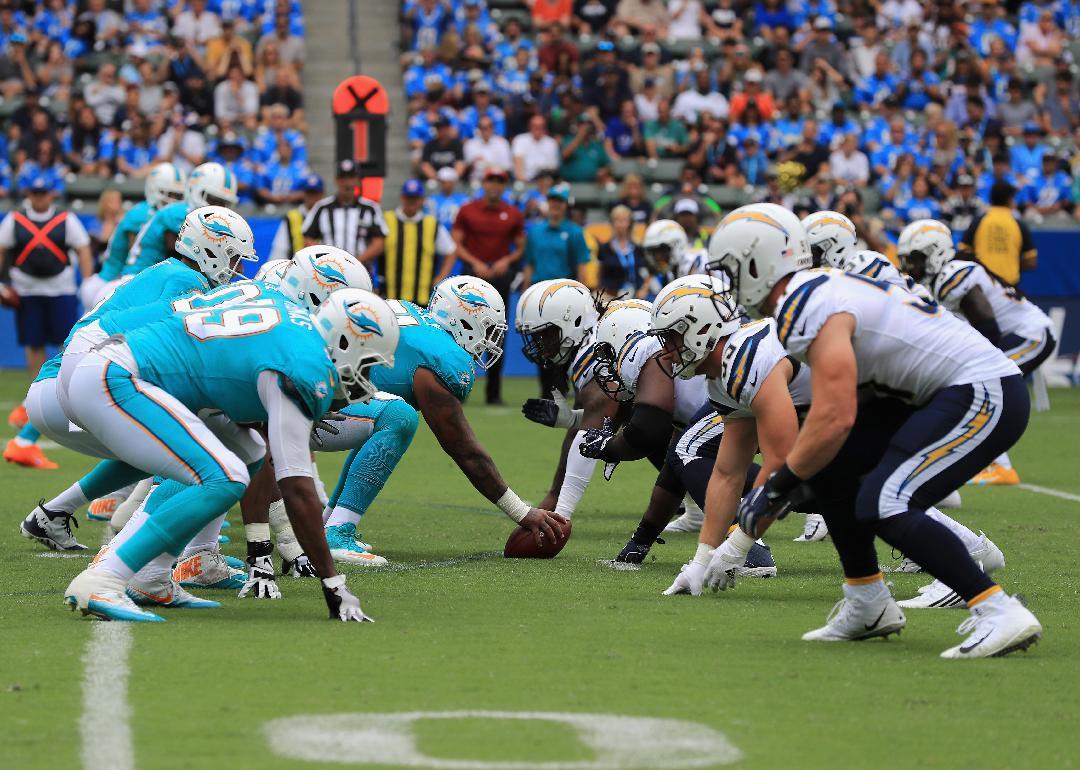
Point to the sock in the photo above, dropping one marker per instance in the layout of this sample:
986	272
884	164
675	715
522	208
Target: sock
703	554
341	515
1003	460
284	537
109	476
159	569
320	488
125	510
28	435
937	550
136	520
991	595
68	501
326	515
865	588
646	533
206	539
970	540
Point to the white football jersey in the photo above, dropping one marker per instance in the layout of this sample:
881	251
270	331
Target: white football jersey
874	264
749	356
690	395
1014	314
904	347
693	262
581	368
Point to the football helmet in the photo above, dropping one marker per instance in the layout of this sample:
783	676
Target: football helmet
755	246
832	238
217	240
690	316
316	271
211	184
618	330
474	313
553	318
272	271
361	331
665	244
165	184
924	248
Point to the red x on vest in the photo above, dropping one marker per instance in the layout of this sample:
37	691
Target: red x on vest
41	237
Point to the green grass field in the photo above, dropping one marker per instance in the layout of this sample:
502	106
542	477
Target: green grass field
461	629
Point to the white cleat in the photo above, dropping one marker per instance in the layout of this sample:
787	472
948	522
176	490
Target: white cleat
936	595
101	594
988	555
165	592
51	528
691	520
814	529
997	626
854	618
952	500
208	569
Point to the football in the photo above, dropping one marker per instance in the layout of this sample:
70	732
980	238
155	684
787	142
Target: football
9	297
520	544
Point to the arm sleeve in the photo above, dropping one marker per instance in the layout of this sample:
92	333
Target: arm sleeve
287	428
648	430
579	471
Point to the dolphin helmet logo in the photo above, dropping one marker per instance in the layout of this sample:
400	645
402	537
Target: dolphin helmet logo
327	273
215	227
365	325
469	298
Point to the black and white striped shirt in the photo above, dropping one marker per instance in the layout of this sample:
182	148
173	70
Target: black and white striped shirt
346	226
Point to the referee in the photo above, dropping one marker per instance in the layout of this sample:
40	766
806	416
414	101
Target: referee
346	220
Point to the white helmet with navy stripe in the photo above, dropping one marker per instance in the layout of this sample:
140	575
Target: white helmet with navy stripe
165	184
924	248
474	313
665	244
832	238
756	246
622	326
211	184
361	331
691	315
316	271
217	240
272	271
553	318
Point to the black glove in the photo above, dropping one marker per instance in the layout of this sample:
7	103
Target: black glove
541	410
596	439
260	582
773	500
325	426
302	567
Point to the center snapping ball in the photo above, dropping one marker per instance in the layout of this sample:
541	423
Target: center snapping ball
521	545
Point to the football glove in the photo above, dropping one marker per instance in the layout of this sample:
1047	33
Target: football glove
720	574
301	567
592	445
633	552
554	412
773	500
342	603
260	583
688	581
325	426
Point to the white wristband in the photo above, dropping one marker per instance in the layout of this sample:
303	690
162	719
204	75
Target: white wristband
337	581
703	554
513	506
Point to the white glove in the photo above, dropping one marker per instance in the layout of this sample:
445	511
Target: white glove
89	290
342	602
260	582
688	581
720	574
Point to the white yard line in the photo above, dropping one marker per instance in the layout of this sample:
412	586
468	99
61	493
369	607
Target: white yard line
105	725
1051	492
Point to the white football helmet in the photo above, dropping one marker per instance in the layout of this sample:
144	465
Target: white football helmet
621	327
691	315
665	244
271	271
553	318
474	313
361	331
217	240
316	271
756	246
924	248
165	184
211	184
832	238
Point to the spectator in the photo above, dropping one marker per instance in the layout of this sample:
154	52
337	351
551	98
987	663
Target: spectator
108	25
284	89
146	26
919	86
231	152
40	127
533	201
443	151
652	69
839	126
920	204
447	199
785	81
86	147
584	158
623	271
489	234
110	210
1062	105
486	150
714	154
823	47
534	150
1026	156
45	167
914	40
426	23
419	251
104	94
1017	110
810	156
700	98
647	102
752	94
753	162
881	84
290	47
687	19
15	70
622	136
988	27
1048	191
549	11
771	14
555	53
822	197
347	220
196	25
136	153
181	143
848	163
591	17
632	196
283	177
999	240
289	237
864	50
481	107
426	66
1000	171
640	15
236	100
228	51
960	209
666	137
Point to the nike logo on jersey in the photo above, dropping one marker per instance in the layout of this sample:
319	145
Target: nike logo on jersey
872	626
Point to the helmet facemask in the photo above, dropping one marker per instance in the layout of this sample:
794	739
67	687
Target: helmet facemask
354	381
546	345
486	345
606	373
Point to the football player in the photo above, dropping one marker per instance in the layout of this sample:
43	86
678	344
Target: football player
939	402
999	312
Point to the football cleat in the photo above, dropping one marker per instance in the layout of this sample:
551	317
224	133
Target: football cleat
936	595
103	508
17	417
997	626
952	500
691	520
299	568
51	528
208	569
223	540
235	563
165	592
996	475
814	529
633	552
101	594
28	456
759	562
988	555
345	548
856	617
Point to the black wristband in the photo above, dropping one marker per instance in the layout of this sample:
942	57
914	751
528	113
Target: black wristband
784	481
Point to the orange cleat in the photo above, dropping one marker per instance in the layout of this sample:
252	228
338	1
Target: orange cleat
30	456
17	417
995	475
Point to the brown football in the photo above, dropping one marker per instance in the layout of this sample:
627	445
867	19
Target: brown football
520	544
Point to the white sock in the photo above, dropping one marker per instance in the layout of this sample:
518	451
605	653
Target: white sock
970	539
137	497
20	441
1003	460
257	533
158	570
320	488
68	501
284	537
865	591
342	516
326	515
138	518
205	539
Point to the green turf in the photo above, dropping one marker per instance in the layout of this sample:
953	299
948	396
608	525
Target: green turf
568	635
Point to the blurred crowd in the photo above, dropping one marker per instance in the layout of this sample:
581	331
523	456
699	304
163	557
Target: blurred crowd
106	88
896	108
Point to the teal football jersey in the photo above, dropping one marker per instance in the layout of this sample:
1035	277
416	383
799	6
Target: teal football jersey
149	247
209	351
150	290
424	344
116	253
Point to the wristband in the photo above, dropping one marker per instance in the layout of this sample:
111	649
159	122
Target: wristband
703	554
337	581
783	481
257	533
513	506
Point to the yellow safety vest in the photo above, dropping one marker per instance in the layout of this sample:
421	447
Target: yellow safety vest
295	221
408	261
